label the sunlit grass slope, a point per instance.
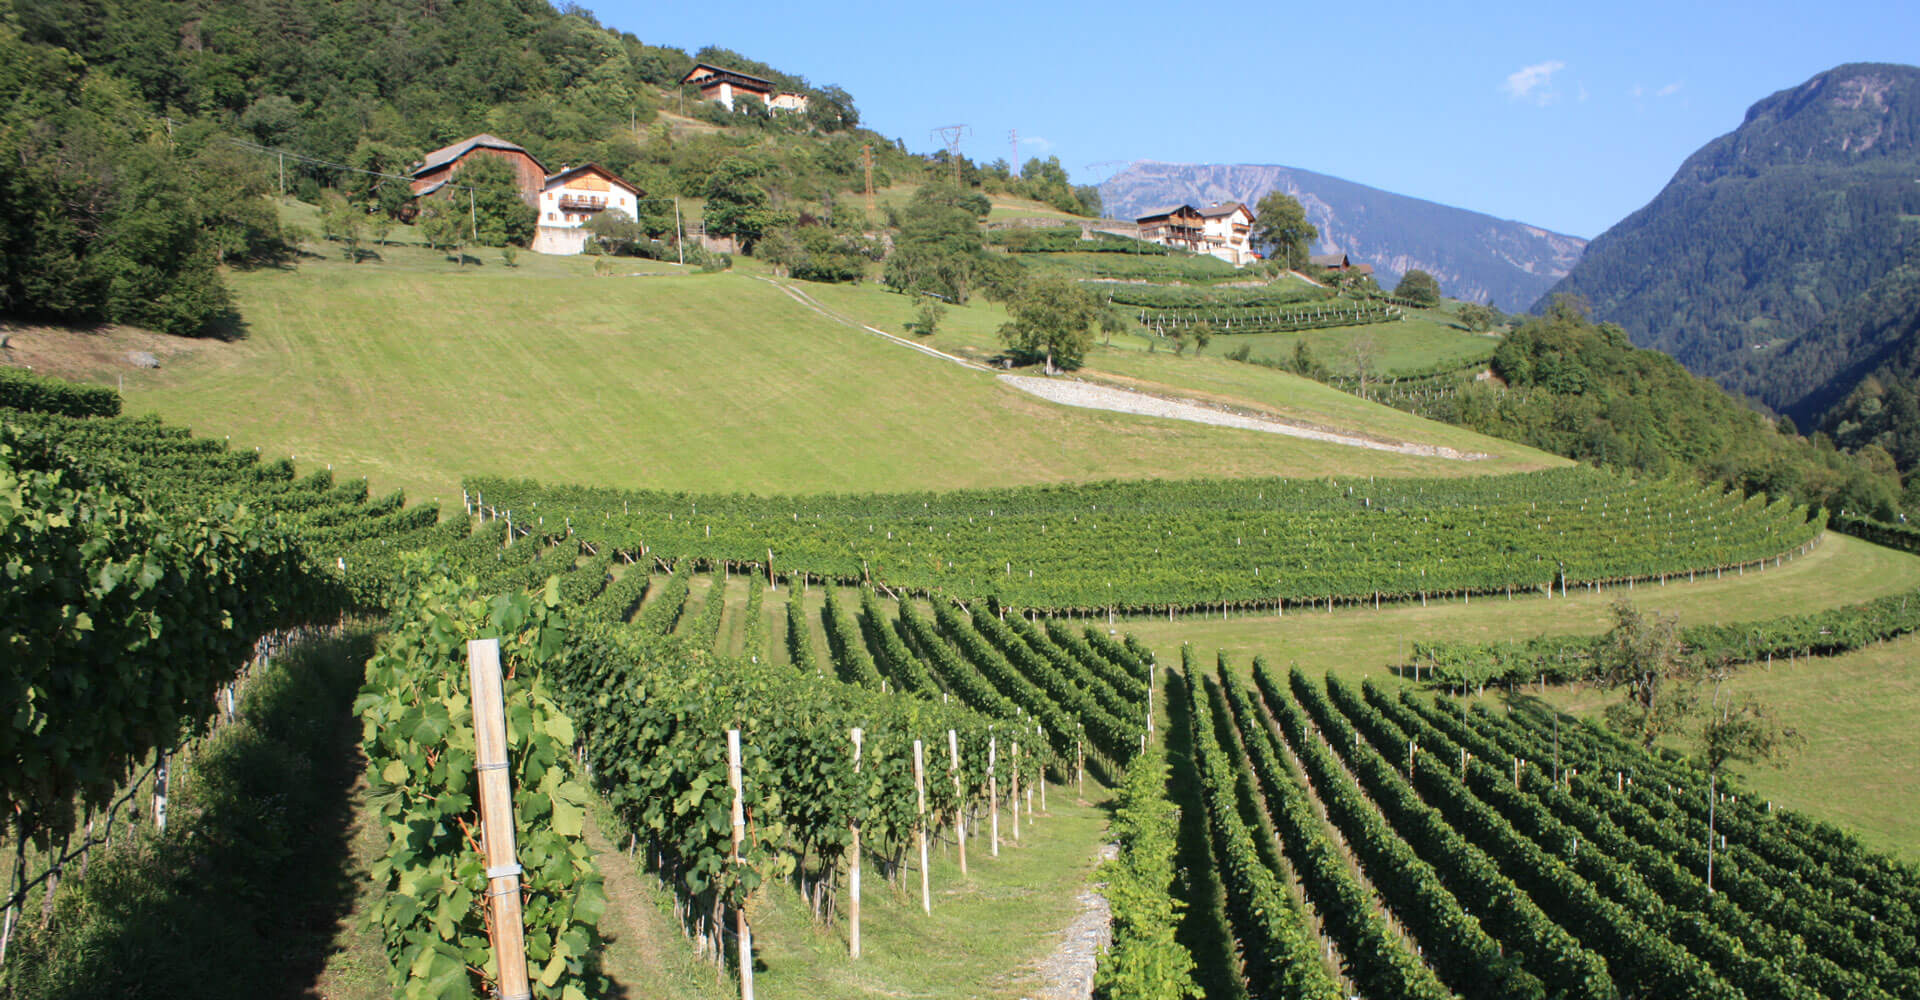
(414, 372)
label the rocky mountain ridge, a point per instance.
(1475, 256)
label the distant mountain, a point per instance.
(1749, 264)
(1475, 256)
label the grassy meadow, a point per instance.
(413, 371)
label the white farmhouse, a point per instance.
(1227, 232)
(571, 198)
(724, 86)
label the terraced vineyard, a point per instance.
(1480, 854)
(1157, 546)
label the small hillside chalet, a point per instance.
(571, 198)
(717, 83)
(1227, 228)
(1178, 226)
(1224, 230)
(1339, 262)
(437, 170)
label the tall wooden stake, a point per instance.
(1014, 793)
(853, 862)
(993, 791)
(1043, 785)
(742, 933)
(920, 824)
(496, 818)
(959, 814)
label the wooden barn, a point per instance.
(438, 168)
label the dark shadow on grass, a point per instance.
(243, 895)
(1203, 925)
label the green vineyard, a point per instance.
(904, 670)
(1518, 857)
(1154, 546)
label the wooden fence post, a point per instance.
(853, 861)
(920, 824)
(496, 818)
(959, 815)
(743, 935)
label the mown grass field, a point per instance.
(413, 372)
(971, 331)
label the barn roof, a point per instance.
(1224, 209)
(1328, 260)
(447, 154)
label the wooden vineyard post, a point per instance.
(920, 824)
(742, 932)
(853, 862)
(496, 819)
(1080, 765)
(1043, 785)
(1014, 792)
(959, 816)
(993, 792)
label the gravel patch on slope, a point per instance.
(1100, 397)
(1068, 972)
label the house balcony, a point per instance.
(583, 202)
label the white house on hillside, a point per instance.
(1227, 231)
(571, 198)
(724, 86)
(1224, 230)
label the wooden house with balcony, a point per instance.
(723, 85)
(1179, 226)
(572, 198)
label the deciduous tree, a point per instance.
(1053, 321)
(1641, 654)
(1419, 287)
(1280, 227)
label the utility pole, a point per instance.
(1013, 165)
(950, 136)
(866, 161)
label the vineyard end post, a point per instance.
(496, 818)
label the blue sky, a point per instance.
(1566, 116)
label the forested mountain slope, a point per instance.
(1768, 231)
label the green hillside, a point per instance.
(415, 372)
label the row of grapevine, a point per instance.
(1855, 908)
(1278, 951)
(1528, 856)
(1750, 957)
(1434, 879)
(1746, 901)
(1378, 962)
(1563, 658)
(1157, 546)
(1229, 321)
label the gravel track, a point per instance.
(1100, 397)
